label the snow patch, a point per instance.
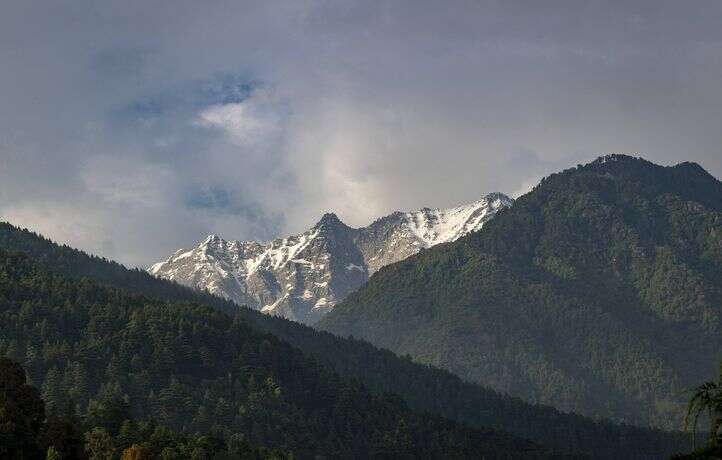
(436, 226)
(246, 271)
(321, 303)
(271, 307)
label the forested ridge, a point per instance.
(193, 369)
(600, 291)
(73, 263)
(422, 387)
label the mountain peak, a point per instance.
(618, 163)
(494, 196)
(329, 219)
(303, 276)
(212, 239)
(614, 157)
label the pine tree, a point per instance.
(53, 454)
(52, 390)
(99, 444)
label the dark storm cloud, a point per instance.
(132, 128)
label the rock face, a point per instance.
(302, 277)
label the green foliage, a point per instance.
(599, 292)
(426, 388)
(557, 267)
(423, 387)
(196, 370)
(707, 400)
(99, 444)
(72, 263)
(60, 438)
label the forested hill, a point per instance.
(72, 263)
(423, 388)
(600, 292)
(193, 369)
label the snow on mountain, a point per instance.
(302, 277)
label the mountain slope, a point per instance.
(424, 388)
(597, 292)
(303, 276)
(196, 370)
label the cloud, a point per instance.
(246, 123)
(130, 129)
(123, 181)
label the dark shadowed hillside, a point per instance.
(599, 292)
(194, 369)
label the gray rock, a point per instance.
(304, 276)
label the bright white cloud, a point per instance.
(251, 122)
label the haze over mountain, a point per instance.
(303, 276)
(598, 292)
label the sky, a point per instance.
(132, 128)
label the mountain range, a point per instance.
(599, 292)
(302, 277)
(89, 331)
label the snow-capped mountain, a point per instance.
(303, 276)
